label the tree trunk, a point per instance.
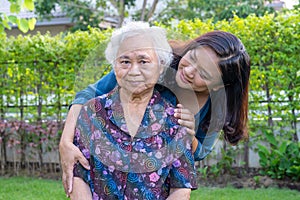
(246, 155)
(294, 120)
(151, 11)
(58, 94)
(294, 126)
(2, 134)
(270, 118)
(39, 119)
(224, 170)
(269, 100)
(122, 12)
(21, 130)
(143, 10)
(2, 98)
(3, 154)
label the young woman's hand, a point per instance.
(69, 155)
(185, 118)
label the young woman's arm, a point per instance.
(203, 144)
(69, 153)
(179, 194)
(81, 190)
(102, 86)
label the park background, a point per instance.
(41, 72)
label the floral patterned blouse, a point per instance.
(145, 166)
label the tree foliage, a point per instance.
(15, 7)
(91, 13)
(216, 9)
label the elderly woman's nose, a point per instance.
(134, 69)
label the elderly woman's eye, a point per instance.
(144, 62)
(125, 62)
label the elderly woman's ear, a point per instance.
(162, 67)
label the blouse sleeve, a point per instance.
(103, 86)
(205, 146)
(183, 171)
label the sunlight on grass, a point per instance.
(20, 188)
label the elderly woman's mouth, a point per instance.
(135, 82)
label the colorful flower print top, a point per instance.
(107, 83)
(145, 166)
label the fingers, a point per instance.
(64, 182)
(190, 126)
(183, 113)
(64, 166)
(69, 181)
(70, 154)
(179, 105)
(185, 118)
(84, 162)
(80, 158)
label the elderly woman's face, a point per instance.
(136, 67)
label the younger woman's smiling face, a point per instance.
(198, 70)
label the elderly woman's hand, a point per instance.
(185, 118)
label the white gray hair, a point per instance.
(156, 34)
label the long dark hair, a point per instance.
(234, 65)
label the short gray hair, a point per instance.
(156, 34)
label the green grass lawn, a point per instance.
(18, 188)
(244, 194)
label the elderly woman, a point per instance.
(222, 102)
(135, 147)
